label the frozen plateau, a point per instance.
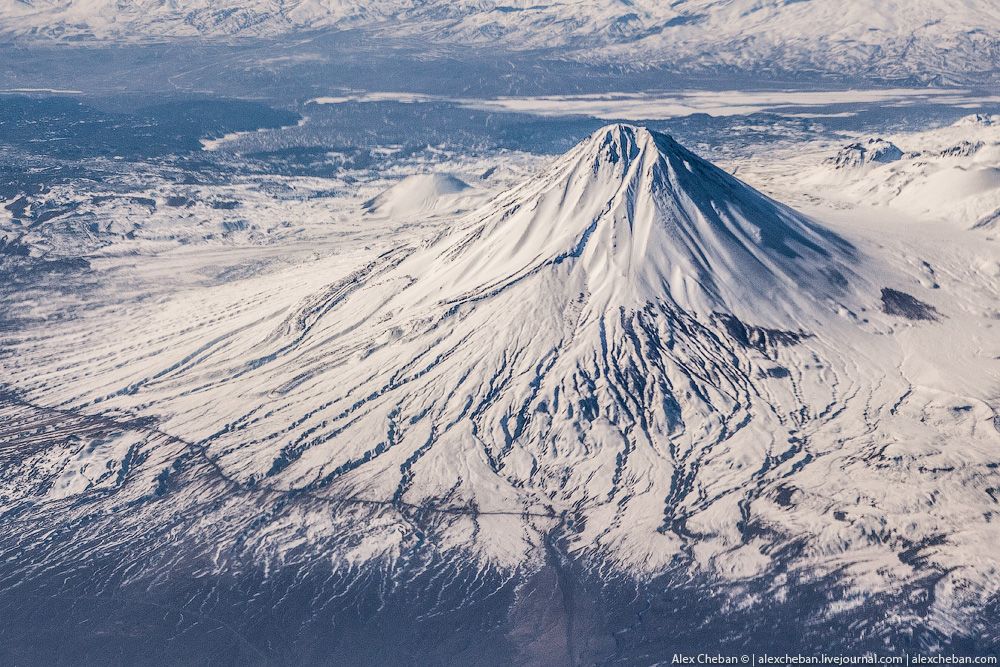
(473, 344)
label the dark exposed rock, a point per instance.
(875, 151)
(902, 304)
(761, 339)
(963, 149)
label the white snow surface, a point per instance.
(929, 39)
(678, 102)
(420, 193)
(631, 336)
(949, 173)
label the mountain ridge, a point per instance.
(943, 40)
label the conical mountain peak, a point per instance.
(633, 218)
(621, 145)
(622, 142)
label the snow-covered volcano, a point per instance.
(417, 194)
(633, 359)
(583, 340)
(637, 219)
(567, 316)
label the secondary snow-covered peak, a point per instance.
(630, 217)
(416, 194)
(950, 174)
(863, 154)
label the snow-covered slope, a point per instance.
(949, 173)
(633, 351)
(932, 39)
(418, 194)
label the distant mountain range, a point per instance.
(942, 41)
